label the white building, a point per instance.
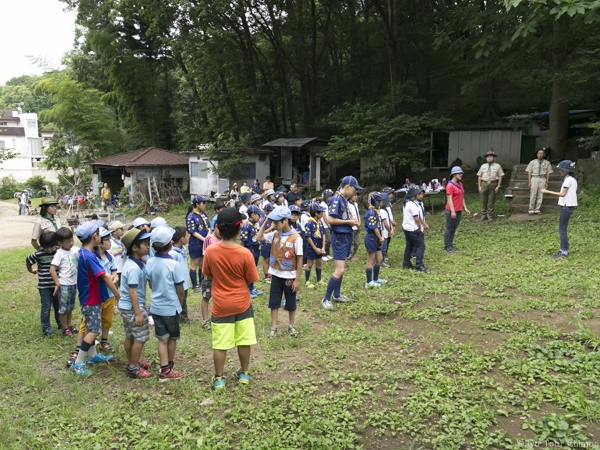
(19, 133)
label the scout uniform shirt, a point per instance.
(490, 172)
(539, 168)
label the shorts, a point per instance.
(280, 287)
(265, 250)
(166, 327)
(310, 253)
(92, 318)
(341, 243)
(195, 249)
(66, 298)
(139, 335)
(233, 331)
(206, 287)
(372, 243)
(106, 317)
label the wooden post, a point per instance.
(317, 173)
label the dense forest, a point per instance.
(374, 76)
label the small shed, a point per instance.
(470, 142)
(130, 168)
(204, 179)
(298, 160)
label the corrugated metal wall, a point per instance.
(469, 144)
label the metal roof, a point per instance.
(11, 131)
(144, 157)
(293, 142)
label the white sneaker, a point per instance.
(341, 299)
(380, 281)
(371, 284)
(150, 321)
(327, 305)
(326, 258)
(531, 212)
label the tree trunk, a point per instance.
(559, 108)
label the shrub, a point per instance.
(8, 186)
(36, 183)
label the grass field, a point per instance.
(495, 348)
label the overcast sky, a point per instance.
(35, 28)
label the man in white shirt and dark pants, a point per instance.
(567, 202)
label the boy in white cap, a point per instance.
(166, 281)
(92, 284)
(141, 224)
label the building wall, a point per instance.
(469, 144)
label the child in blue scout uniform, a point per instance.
(132, 305)
(165, 278)
(315, 247)
(265, 249)
(414, 225)
(341, 238)
(179, 254)
(295, 220)
(249, 240)
(374, 240)
(92, 284)
(285, 266)
(198, 227)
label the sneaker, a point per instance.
(47, 332)
(309, 285)
(538, 212)
(531, 212)
(380, 281)
(292, 331)
(385, 265)
(185, 320)
(67, 333)
(218, 383)
(171, 375)
(206, 325)
(322, 283)
(138, 372)
(99, 358)
(145, 365)
(326, 258)
(408, 267)
(252, 296)
(268, 280)
(256, 292)
(198, 288)
(559, 255)
(150, 320)
(450, 249)
(341, 299)
(106, 347)
(423, 269)
(72, 359)
(327, 305)
(242, 377)
(72, 329)
(273, 333)
(80, 369)
(371, 285)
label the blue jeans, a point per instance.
(48, 301)
(414, 241)
(384, 246)
(451, 226)
(23, 210)
(563, 223)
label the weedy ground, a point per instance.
(496, 348)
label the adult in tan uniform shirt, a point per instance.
(538, 175)
(489, 179)
(47, 221)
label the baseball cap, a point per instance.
(229, 216)
(133, 236)
(279, 213)
(377, 196)
(87, 228)
(253, 209)
(158, 222)
(161, 234)
(279, 194)
(115, 225)
(140, 221)
(199, 199)
(316, 207)
(104, 232)
(295, 209)
(352, 182)
(387, 190)
(455, 170)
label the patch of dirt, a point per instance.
(16, 229)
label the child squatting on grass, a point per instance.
(231, 268)
(165, 278)
(132, 305)
(92, 284)
(63, 270)
(43, 258)
(285, 266)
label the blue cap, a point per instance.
(282, 189)
(296, 209)
(455, 170)
(253, 209)
(387, 190)
(566, 166)
(104, 232)
(162, 235)
(268, 206)
(158, 222)
(269, 192)
(255, 197)
(245, 197)
(352, 182)
(279, 194)
(413, 192)
(87, 228)
(279, 213)
(327, 193)
(199, 199)
(140, 221)
(316, 207)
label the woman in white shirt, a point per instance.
(567, 201)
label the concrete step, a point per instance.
(522, 185)
(552, 209)
(519, 200)
(554, 176)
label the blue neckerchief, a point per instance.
(288, 233)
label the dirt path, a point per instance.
(16, 229)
